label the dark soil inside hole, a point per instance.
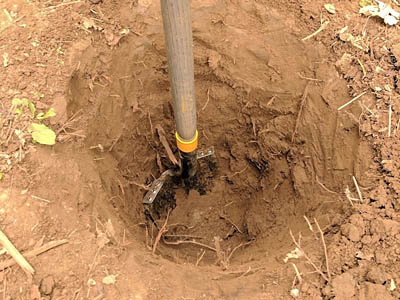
(275, 164)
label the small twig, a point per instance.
(308, 78)
(220, 254)
(236, 173)
(308, 223)
(351, 101)
(8, 15)
(297, 273)
(33, 253)
(22, 262)
(115, 142)
(362, 67)
(348, 195)
(322, 27)
(324, 187)
(230, 221)
(68, 121)
(145, 187)
(307, 258)
(303, 102)
(208, 99)
(237, 247)
(390, 120)
(93, 263)
(190, 242)
(161, 232)
(151, 124)
(325, 251)
(187, 236)
(41, 199)
(200, 258)
(62, 4)
(358, 189)
(164, 142)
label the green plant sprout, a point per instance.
(40, 133)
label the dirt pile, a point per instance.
(283, 150)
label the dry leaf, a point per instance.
(102, 239)
(330, 8)
(110, 279)
(6, 61)
(111, 38)
(383, 10)
(296, 253)
(164, 142)
(110, 229)
(392, 285)
(89, 24)
(91, 282)
(363, 3)
(294, 293)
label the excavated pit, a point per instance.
(250, 92)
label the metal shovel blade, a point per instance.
(159, 182)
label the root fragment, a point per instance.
(318, 270)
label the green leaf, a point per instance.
(21, 103)
(49, 114)
(364, 3)
(43, 134)
(32, 107)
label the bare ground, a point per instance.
(288, 161)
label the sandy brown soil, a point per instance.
(287, 159)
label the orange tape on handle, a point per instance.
(187, 146)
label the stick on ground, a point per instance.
(351, 101)
(325, 251)
(19, 259)
(322, 27)
(193, 242)
(8, 263)
(161, 232)
(308, 259)
(164, 142)
(358, 189)
(200, 258)
(303, 102)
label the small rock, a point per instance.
(381, 256)
(344, 63)
(344, 287)
(366, 239)
(376, 275)
(372, 291)
(358, 221)
(60, 108)
(385, 227)
(47, 285)
(352, 232)
(391, 227)
(213, 59)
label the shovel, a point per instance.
(179, 41)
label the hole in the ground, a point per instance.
(275, 165)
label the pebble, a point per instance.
(47, 285)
